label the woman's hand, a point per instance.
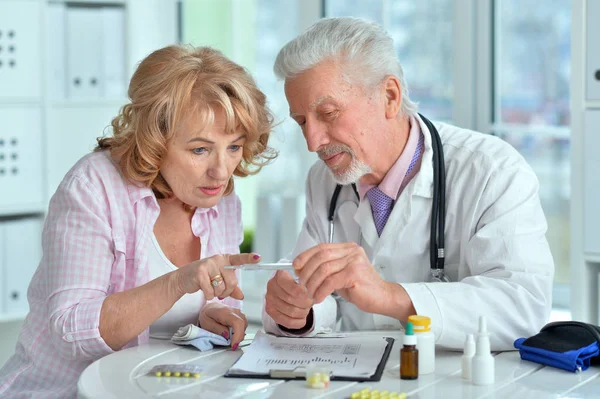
(210, 276)
(217, 318)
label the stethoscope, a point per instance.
(438, 207)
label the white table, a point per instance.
(124, 375)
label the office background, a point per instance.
(502, 67)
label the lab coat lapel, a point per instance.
(398, 220)
(421, 185)
(364, 218)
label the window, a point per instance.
(531, 108)
(251, 33)
(422, 33)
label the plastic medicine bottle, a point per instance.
(409, 355)
(425, 343)
(482, 367)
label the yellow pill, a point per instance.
(355, 395)
(196, 375)
(325, 377)
(186, 374)
(385, 392)
(312, 380)
(167, 373)
(366, 390)
(158, 373)
(402, 396)
(374, 391)
(177, 374)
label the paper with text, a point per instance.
(346, 357)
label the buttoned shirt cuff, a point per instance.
(80, 330)
(425, 303)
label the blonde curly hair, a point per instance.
(179, 79)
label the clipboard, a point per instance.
(299, 373)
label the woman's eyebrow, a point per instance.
(193, 139)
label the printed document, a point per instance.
(356, 356)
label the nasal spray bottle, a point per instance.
(467, 358)
(482, 367)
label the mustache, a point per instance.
(333, 149)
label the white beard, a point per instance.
(353, 172)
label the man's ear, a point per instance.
(393, 96)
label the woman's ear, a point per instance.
(393, 97)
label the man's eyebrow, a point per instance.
(314, 105)
(318, 102)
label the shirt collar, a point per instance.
(392, 181)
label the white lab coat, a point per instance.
(497, 256)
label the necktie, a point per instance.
(381, 205)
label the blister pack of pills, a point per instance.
(375, 394)
(177, 370)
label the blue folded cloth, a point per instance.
(573, 360)
(568, 345)
(200, 338)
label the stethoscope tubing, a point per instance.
(438, 206)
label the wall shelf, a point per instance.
(10, 317)
(19, 102)
(90, 2)
(594, 258)
(23, 209)
(592, 104)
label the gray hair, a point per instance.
(363, 46)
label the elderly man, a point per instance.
(380, 264)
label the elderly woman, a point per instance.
(139, 231)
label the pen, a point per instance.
(263, 266)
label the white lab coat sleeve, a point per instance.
(509, 268)
(324, 313)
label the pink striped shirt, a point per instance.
(95, 240)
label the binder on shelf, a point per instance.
(84, 44)
(2, 268)
(113, 52)
(56, 50)
(22, 253)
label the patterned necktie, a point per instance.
(381, 205)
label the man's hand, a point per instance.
(345, 269)
(286, 301)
